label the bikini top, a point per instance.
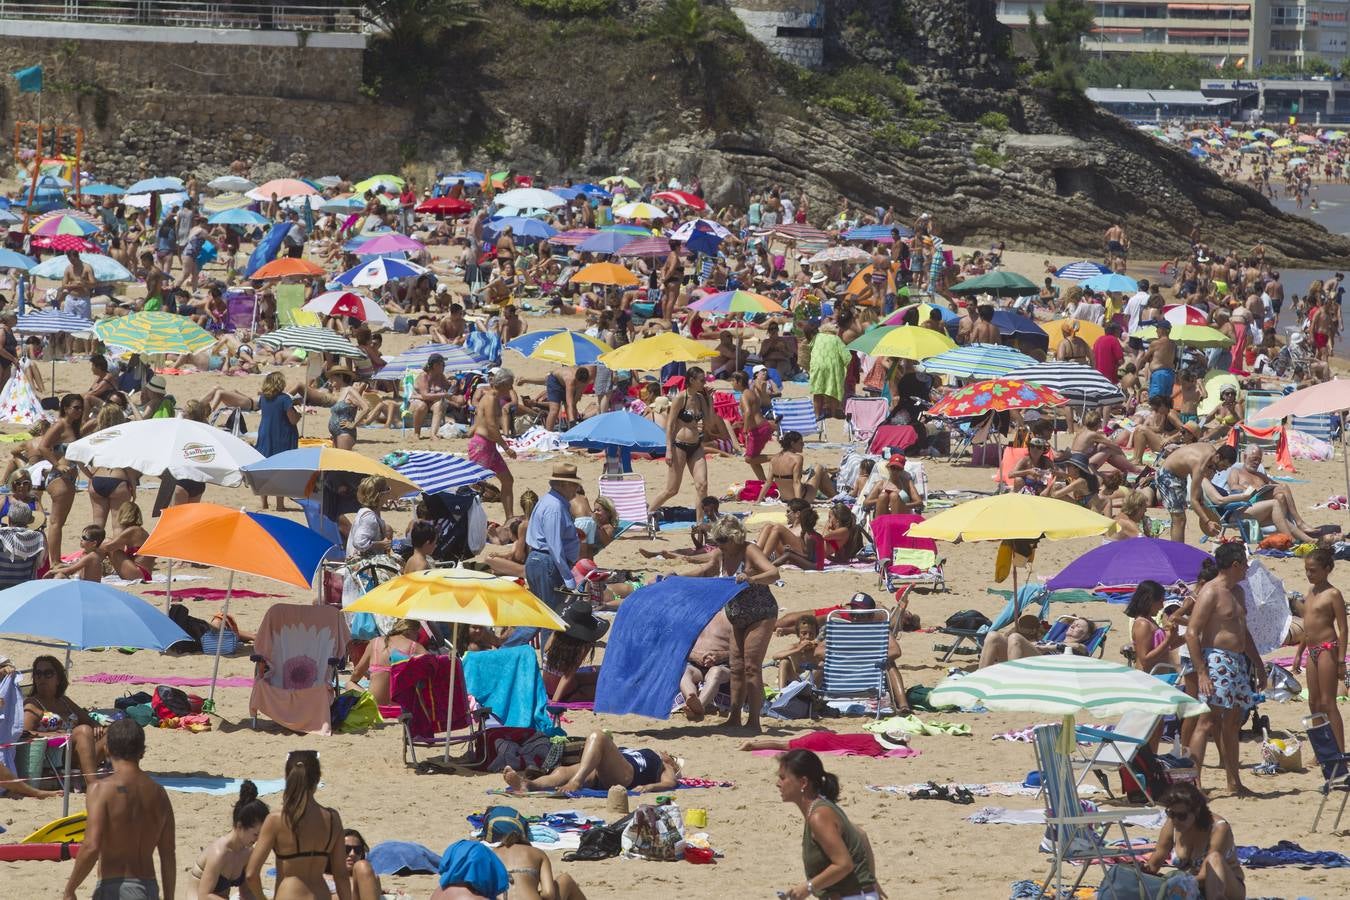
(689, 415)
(320, 853)
(224, 884)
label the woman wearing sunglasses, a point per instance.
(365, 883)
(47, 709)
(1194, 841)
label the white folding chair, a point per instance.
(628, 493)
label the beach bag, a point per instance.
(142, 714)
(655, 833)
(1146, 763)
(600, 842)
(968, 620)
(140, 698)
(194, 627)
(1124, 882)
(750, 492)
(1285, 751)
(794, 701)
(171, 703)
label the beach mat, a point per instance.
(209, 593)
(170, 680)
(686, 784)
(217, 785)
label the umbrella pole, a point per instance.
(1345, 457)
(450, 703)
(220, 632)
(168, 591)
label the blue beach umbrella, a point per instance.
(105, 268)
(102, 190)
(977, 361)
(85, 614)
(1016, 324)
(9, 259)
(524, 229)
(568, 348)
(606, 242)
(618, 433)
(1081, 270)
(1112, 283)
(377, 272)
(243, 217)
(593, 190)
(877, 233)
(156, 185)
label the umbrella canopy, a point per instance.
(1126, 563)
(654, 352)
(1112, 283)
(881, 234)
(635, 230)
(243, 217)
(529, 198)
(282, 187)
(229, 200)
(296, 473)
(568, 348)
(378, 272)
(105, 268)
(64, 243)
(1081, 270)
(603, 242)
(9, 259)
(445, 206)
(342, 205)
(925, 310)
(620, 179)
(999, 283)
(238, 540)
(52, 321)
(286, 267)
(347, 303)
(639, 211)
(102, 190)
(193, 451)
(997, 395)
(457, 359)
(1191, 335)
(1185, 314)
(574, 237)
(390, 242)
(693, 226)
(1088, 331)
(523, 228)
(650, 246)
(231, 183)
(682, 198)
(1015, 324)
(840, 254)
(148, 333)
(903, 342)
(86, 614)
(464, 596)
(312, 338)
(1011, 517)
(1079, 384)
(158, 185)
(1066, 685)
(379, 184)
(978, 361)
(1327, 397)
(617, 429)
(605, 273)
(65, 224)
(736, 302)
(437, 472)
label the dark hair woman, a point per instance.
(365, 883)
(835, 853)
(221, 864)
(306, 838)
(1153, 644)
(1199, 843)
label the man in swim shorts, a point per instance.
(486, 435)
(1226, 660)
(1178, 481)
(1161, 359)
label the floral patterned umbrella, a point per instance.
(995, 395)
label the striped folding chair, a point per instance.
(855, 655)
(628, 493)
(799, 415)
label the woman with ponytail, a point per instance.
(221, 865)
(835, 852)
(307, 839)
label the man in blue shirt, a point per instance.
(553, 546)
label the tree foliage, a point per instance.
(412, 25)
(1058, 43)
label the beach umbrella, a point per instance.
(656, 351)
(1088, 331)
(1014, 324)
(639, 211)
(300, 472)
(282, 187)
(1191, 335)
(682, 198)
(620, 179)
(347, 303)
(10, 259)
(457, 359)
(1185, 314)
(342, 206)
(602, 242)
(568, 348)
(71, 222)
(998, 283)
(746, 302)
(635, 230)
(149, 333)
(286, 267)
(567, 193)
(1066, 685)
(102, 190)
(593, 190)
(1013, 517)
(995, 395)
(881, 234)
(239, 541)
(605, 273)
(439, 472)
(167, 201)
(1327, 397)
(902, 342)
(53, 321)
(1308, 139)
(840, 254)
(574, 237)
(313, 339)
(84, 615)
(187, 450)
(617, 429)
(1112, 283)
(1081, 270)
(377, 272)
(650, 246)
(245, 218)
(64, 243)
(949, 318)
(9, 218)
(529, 198)
(466, 177)
(688, 229)
(389, 242)
(225, 201)
(525, 229)
(1079, 384)
(380, 184)
(977, 361)
(1126, 563)
(228, 183)
(159, 185)
(1282, 142)
(446, 206)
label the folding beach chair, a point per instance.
(905, 560)
(855, 655)
(1028, 594)
(628, 493)
(797, 415)
(1115, 749)
(22, 551)
(298, 652)
(863, 415)
(241, 309)
(421, 689)
(727, 408)
(1074, 836)
(1096, 644)
(290, 299)
(1335, 764)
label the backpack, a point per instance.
(1146, 763)
(171, 703)
(968, 620)
(461, 524)
(600, 842)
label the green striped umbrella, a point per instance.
(999, 283)
(312, 338)
(148, 333)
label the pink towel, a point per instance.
(171, 680)
(574, 704)
(206, 593)
(898, 753)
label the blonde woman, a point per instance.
(277, 430)
(369, 534)
(123, 546)
(109, 488)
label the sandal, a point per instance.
(961, 795)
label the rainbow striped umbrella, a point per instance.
(64, 224)
(736, 302)
(148, 333)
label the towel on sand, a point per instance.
(651, 638)
(217, 785)
(599, 793)
(1287, 853)
(403, 858)
(209, 593)
(829, 742)
(998, 815)
(171, 680)
(507, 681)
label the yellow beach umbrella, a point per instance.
(1013, 517)
(1215, 382)
(655, 352)
(619, 179)
(639, 211)
(1282, 142)
(605, 273)
(1088, 331)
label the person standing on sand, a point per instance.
(1225, 659)
(756, 432)
(486, 435)
(1324, 626)
(129, 818)
(1180, 481)
(1161, 360)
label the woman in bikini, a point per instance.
(365, 883)
(603, 765)
(109, 487)
(47, 709)
(1073, 480)
(804, 548)
(104, 386)
(306, 837)
(1163, 428)
(787, 471)
(531, 871)
(60, 483)
(1199, 843)
(897, 495)
(684, 438)
(1223, 417)
(123, 547)
(844, 538)
(383, 653)
(229, 853)
(1091, 440)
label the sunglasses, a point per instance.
(1179, 814)
(44, 673)
(722, 540)
(355, 848)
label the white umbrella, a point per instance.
(529, 198)
(187, 450)
(313, 339)
(348, 303)
(840, 254)
(231, 183)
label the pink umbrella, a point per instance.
(393, 242)
(347, 303)
(282, 187)
(1184, 314)
(1327, 397)
(573, 237)
(653, 246)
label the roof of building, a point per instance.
(1169, 98)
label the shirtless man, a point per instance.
(1225, 657)
(431, 391)
(1324, 628)
(486, 436)
(452, 329)
(1179, 481)
(1249, 476)
(755, 430)
(130, 817)
(510, 326)
(1161, 360)
(707, 667)
(1117, 244)
(1319, 325)
(672, 276)
(983, 330)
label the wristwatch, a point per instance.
(809, 889)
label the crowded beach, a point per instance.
(474, 534)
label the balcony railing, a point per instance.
(321, 17)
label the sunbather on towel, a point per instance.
(603, 765)
(1003, 647)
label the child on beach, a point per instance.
(88, 566)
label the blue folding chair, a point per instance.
(856, 644)
(799, 415)
(1333, 760)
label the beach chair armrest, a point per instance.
(1107, 736)
(1089, 818)
(481, 714)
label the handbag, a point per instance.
(656, 833)
(1285, 751)
(1125, 882)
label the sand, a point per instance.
(924, 848)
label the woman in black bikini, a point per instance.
(109, 488)
(684, 438)
(230, 852)
(60, 485)
(311, 834)
(603, 765)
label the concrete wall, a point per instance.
(791, 29)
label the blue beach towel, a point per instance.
(1287, 853)
(507, 681)
(11, 718)
(403, 858)
(651, 638)
(217, 785)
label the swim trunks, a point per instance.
(757, 438)
(486, 454)
(1161, 382)
(555, 391)
(1319, 340)
(126, 889)
(1231, 675)
(1171, 491)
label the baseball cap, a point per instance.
(759, 368)
(861, 600)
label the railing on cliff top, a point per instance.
(315, 17)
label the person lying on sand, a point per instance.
(604, 764)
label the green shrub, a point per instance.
(987, 156)
(567, 8)
(892, 135)
(996, 121)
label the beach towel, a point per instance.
(171, 680)
(685, 784)
(267, 248)
(11, 719)
(1287, 853)
(206, 593)
(915, 725)
(217, 785)
(998, 815)
(507, 681)
(651, 638)
(403, 858)
(472, 864)
(297, 641)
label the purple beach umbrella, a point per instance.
(1129, 562)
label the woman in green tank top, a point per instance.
(835, 853)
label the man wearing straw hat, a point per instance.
(554, 547)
